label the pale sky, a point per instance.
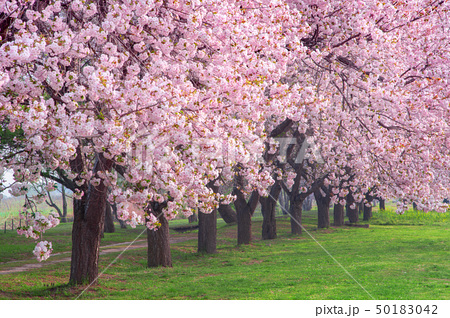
(8, 177)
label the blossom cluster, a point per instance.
(43, 250)
(38, 224)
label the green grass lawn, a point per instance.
(10, 208)
(389, 260)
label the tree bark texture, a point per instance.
(352, 213)
(227, 213)
(296, 205)
(158, 244)
(339, 216)
(207, 232)
(367, 215)
(244, 210)
(323, 209)
(89, 215)
(244, 221)
(268, 210)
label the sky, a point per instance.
(8, 177)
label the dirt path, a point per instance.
(104, 250)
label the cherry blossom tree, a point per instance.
(141, 90)
(373, 98)
(151, 91)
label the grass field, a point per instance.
(10, 208)
(398, 257)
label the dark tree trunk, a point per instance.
(367, 213)
(382, 204)
(323, 209)
(268, 210)
(83, 253)
(207, 232)
(368, 209)
(207, 228)
(158, 250)
(89, 215)
(244, 211)
(339, 217)
(352, 213)
(296, 204)
(269, 226)
(64, 204)
(227, 213)
(109, 221)
(307, 204)
(284, 202)
(52, 204)
(193, 218)
(361, 207)
(244, 225)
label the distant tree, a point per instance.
(62, 212)
(109, 220)
(193, 218)
(382, 204)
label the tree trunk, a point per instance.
(193, 218)
(227, 213)
(323, 209)
(361, 207)
(307, 204)
(368, 209)
(158, 250)
(352, 213)
(244, 225)
(339, 216)
(207, 232)
(244, 210)
(64, 204)
(52, 204)
(296, 204)
(89, 215)
(382, 204)
(367, 212)
(268, 210)
(269, 226)
(284, 202)
(109, 221)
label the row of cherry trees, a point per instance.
(152, 105)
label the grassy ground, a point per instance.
(390, 261)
